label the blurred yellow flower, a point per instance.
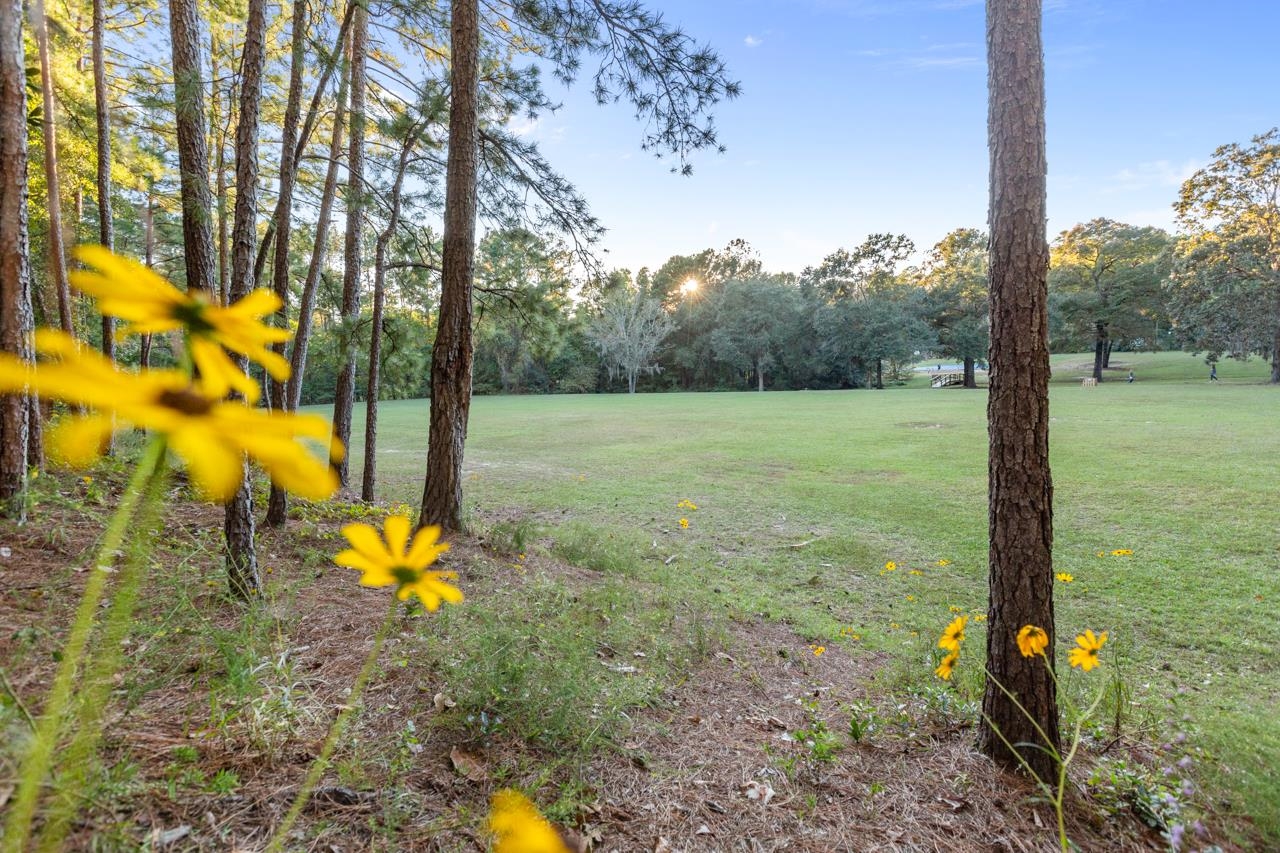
(947, 666)
(211, 435)
(943, 563)
(399, 561)
(818, 650)
(1122, 552)
(684, 524)
(953, 636)
(126, 289)
(890, 566)
(1064, 577)
(1032, 641)
(518, 827)
(955, 609)
(1085, 654)
(687, 504)
(915, 572)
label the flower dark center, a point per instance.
(404, 574)
(186, 401)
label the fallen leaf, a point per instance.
(760, 791)
(442, 702)
(469, 765)
(703, 830)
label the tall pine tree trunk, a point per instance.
(1099, 348)
(106, 232)
(369, 477)
(1021, 490)
(242, 558)
(451, 355)
(57, 252)
(16, 321)
(218, 139)
(970, 376)
(306, 302)
(344, 394)
(193, 155)
(148, 258)
(277, 503)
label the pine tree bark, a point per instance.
(148, 258)
(106, 231)
(243, 576)
(57, 252)
(18, 412)
(1021, 489)
(970, 376)
(345, 392)
(193, 154)
(1099, 349)
(452, 354)
(218, 138)
(306, 302)
(369, 476)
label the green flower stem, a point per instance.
(335, 732)
(101, 667)
(39, 757)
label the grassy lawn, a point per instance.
(804, 496)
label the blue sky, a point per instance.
(870, 115)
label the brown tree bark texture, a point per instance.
(106, 231)
(193, 155)
(16, 320)
(242, 559)
(345, 392)
(451, 355)
(1021, 489)
(57, 252)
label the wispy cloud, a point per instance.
(1153, 173)
(752, 41)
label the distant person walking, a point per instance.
(1213, 373)
(1130, 379)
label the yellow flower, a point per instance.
(1102, 553)
(126, 289)
(1122, 552)
(915, 572)
(890, 566)
(818, 650)
(1064, 577)
(399, 561)
(519, 828)
(911, 598)
(953, 636)
(1085, 654)
(210, 434)
(943, 563)
(1032, 641)
(947, 665)
(687, 504)
(684, 524)
(955, 609)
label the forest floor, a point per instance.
(637, 720)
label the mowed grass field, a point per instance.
(804, 496)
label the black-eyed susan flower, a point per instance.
(1085, 654)
(953, 636)
(948, 665)
(818, 651)
(1032, 641)
(684, 524)
(399, 561)
(943, 563)
(211, 435)
(891, 566)
(518, 827)
(1065, 577)
(148, 304)
(1122, 552)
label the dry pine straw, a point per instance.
(677, 783)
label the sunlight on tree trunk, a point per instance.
(57, 252)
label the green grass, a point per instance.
(803, 496)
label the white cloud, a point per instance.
(752, 41)
(1154, 173)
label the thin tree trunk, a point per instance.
(1106, 352)
(1099, 346)
(193, 155)
(277, 502)
(304, 136)
(880, 374)
(970, 376)
(345, 392)
(306, 302)
(1021, 489)
(148, 258)
(242, 558)
(19, 413)
(106, 231)
(57, 253)
(369, 477)
(759, 377)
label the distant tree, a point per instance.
(627, 333)
(860, 335)
(1019, 720)
(1216, 307)
(755, 320)
(1231, 212)
(16, 321)
(48, 125)
(846, 274)
(955, 281)
(1108, 278)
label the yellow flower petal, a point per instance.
(373, 573)
(424, 551)
(366, 540)
(79, 441)
(397, 528)
(215, 468)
